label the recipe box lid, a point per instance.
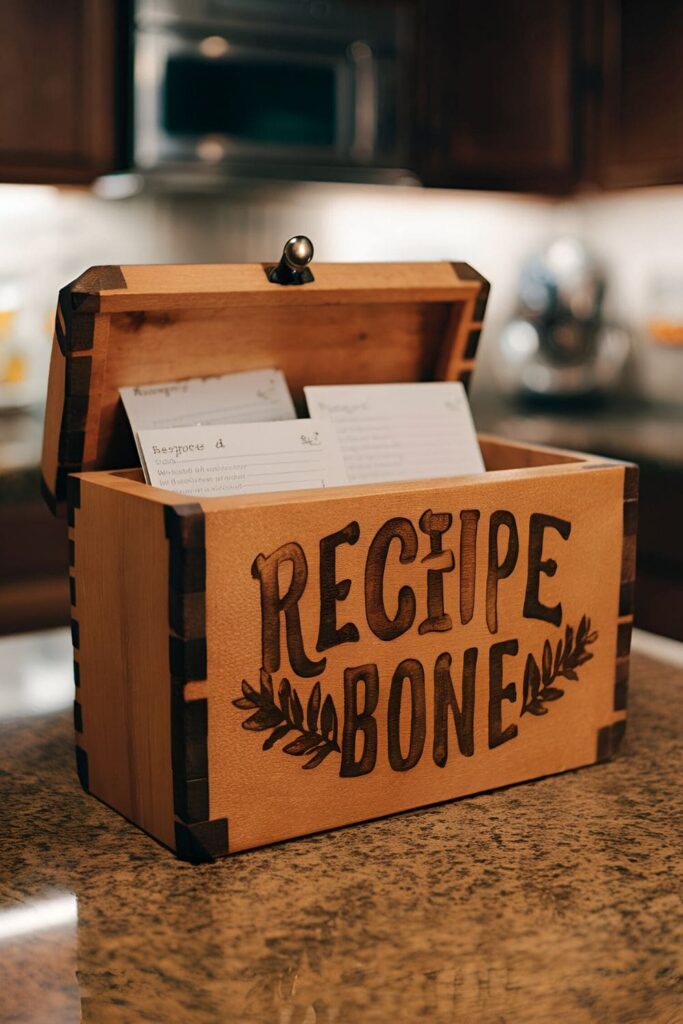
(361, 323)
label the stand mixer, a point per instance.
(559, 344)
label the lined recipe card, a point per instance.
(400, 431)
(250, 397)
(243, 458)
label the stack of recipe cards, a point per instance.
(235, 434)
(238, 434)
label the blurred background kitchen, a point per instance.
(540, 141)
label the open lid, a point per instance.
(346, 323)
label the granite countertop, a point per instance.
(558, 900)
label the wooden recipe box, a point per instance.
(254, 668)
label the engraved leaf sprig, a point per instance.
(568, 656)
(317, 730)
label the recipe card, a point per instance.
(243, 458)
(252, 396)
(400, 431)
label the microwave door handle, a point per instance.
(365, 112)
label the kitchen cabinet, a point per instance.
(640, 119)
(34, 556)
(534, 96)
(548, 97)
(63, 74)
(34, 545)
(495, 94)
(659, 584)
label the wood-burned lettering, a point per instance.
(429, 704)
(533, 609)
(267, 570)
(447, 715)
(438, 562)
(499, 569)
(384, 627)
(389, 615)
(360, 720)
(333, 590)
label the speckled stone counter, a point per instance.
(556, 901)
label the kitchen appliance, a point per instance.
(304, 89)
(559, 343)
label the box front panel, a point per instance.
(370, 654)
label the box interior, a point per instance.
(349, 343)
(499, 457)
(354, 323)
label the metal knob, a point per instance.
(293, 266)
(298, 252)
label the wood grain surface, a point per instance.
(442, 645)
(120, 585)
(356, 323)
(257, 668)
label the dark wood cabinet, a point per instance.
(640, 120)
(496, 95)
(63, 74)
(659, 582)
(549, 95)
(540, 95)
(34, 555)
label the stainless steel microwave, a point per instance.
(308, 89)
